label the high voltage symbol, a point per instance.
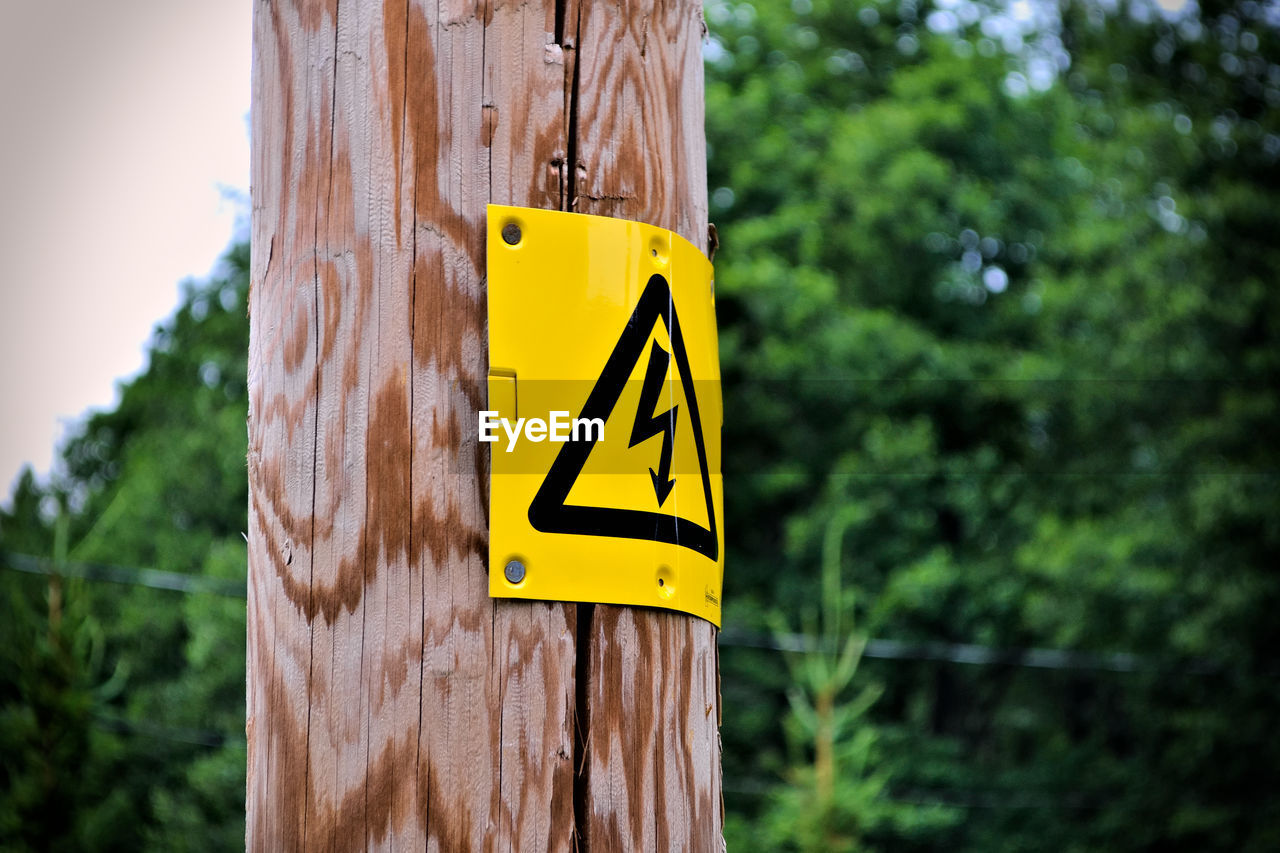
(550, 511)
(663, 424)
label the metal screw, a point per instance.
(511, 233)
(514, 572)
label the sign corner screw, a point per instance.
(514, 571)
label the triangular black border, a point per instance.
(550, 514)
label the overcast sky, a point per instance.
(123, 126)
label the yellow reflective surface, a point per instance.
(611, 323)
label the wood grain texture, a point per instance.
(391, 703)
(652, 697)
(641, 146)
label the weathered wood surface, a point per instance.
(653, 708)
(391, 703)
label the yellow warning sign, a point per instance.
(604, 414)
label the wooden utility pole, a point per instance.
(391, 702)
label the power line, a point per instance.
(153, 578)
(961, 653)
(958, 653)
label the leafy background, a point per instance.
(998, 311)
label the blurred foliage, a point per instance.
(999, 281)
(998, 319)
(835, 796)
(131, 712)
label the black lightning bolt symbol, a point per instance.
(647, 426)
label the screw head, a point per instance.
(514, 572)
(511, 233)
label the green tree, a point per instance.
(52, 683)
(158, 482)
(834, 794)
(1020, 329)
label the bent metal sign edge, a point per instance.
(604, 414)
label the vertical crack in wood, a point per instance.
(569, 186)
(581, 728)
(413, 444)
(315, 438)
(563, 163)
(569, 15)
(486, 108)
